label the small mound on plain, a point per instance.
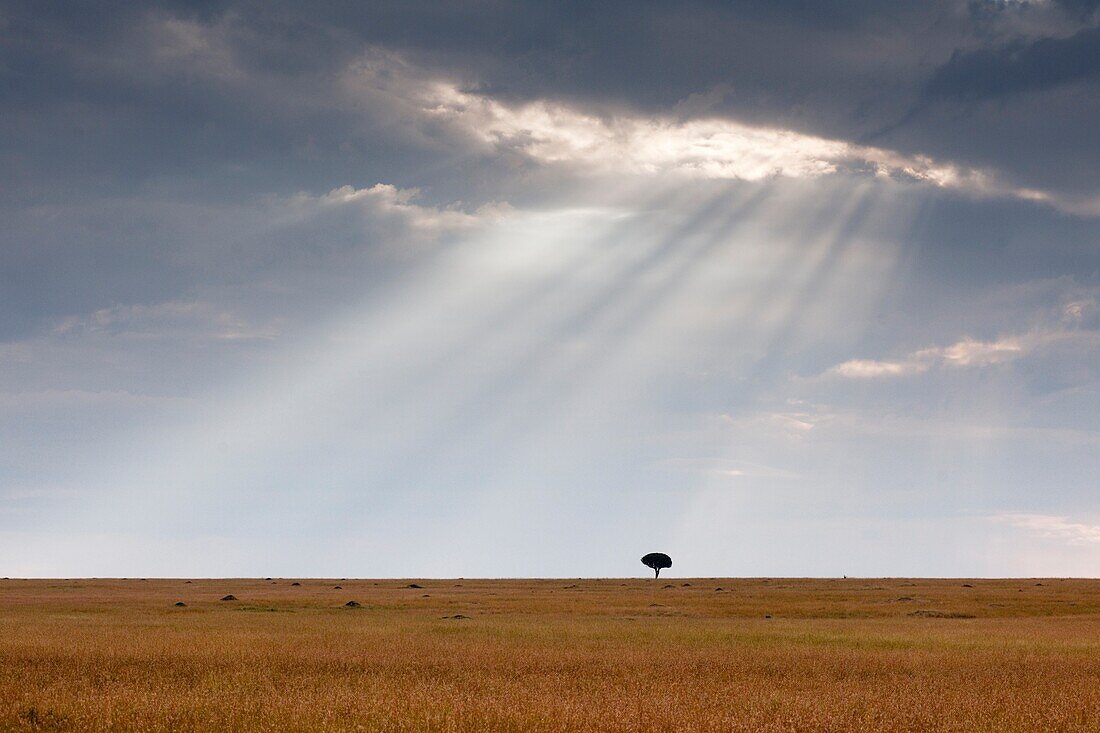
(933, 613)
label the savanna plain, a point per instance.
(550, 655)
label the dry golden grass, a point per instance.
(610, 655)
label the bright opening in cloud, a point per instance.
(622, 143)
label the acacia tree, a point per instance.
(657, 560)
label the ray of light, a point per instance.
(480, 362)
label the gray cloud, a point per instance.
(1019, 66)
(224, 98)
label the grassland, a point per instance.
(584, 655)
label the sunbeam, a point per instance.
(527, 356)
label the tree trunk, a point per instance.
(656, 573)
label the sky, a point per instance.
(486, 289)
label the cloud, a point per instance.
(783, 424)
(870, 369)
(555, 133)
(967, 352)
(732, 468)
(230, 98)
(72, 399)
(385, 200)
(1053, 527)
(1019, 66)
(558, 134)
(89, 263)
(971, 352)
(188, 47)
(171, 319)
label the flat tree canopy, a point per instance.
(657, 560)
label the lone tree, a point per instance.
(657, 560)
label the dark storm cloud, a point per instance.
(1082, 10)
(145, 147)
(1023, 106)
(1019, 66)
(224, 98)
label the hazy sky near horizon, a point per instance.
(532, 289)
